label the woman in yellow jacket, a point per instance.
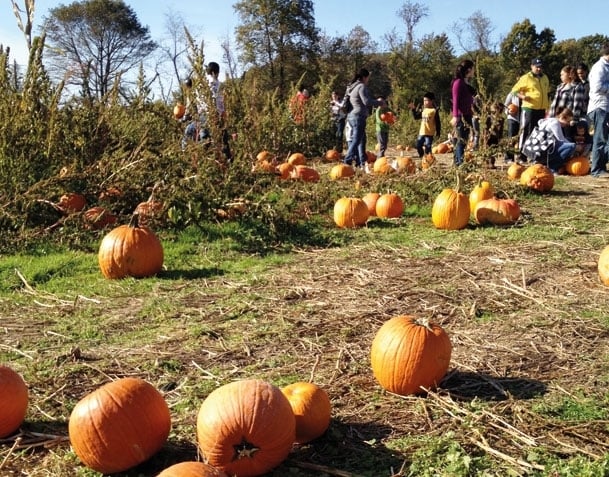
(533, 90)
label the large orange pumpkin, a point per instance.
(191, 469)
(538, 178)
(14, 400)
(350, 212)
(578, 166)
(389, 206)
(497, 211)
(119, 425)
(409, 353)
(312, 409)
(603, 266)
(341, 171)
(130, 251)
(450, 210)
(482, 190)
(246, 428)
(72, 202)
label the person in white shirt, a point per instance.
(598, 113)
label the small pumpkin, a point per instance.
(379, 164)
(409, 353)
(442, 148)
(98, 217)
(297, 159)
(405, 164)
(332, 155)
(312, 410)
(389, 206)
(246, 428)
(482, 190)
(350, 212)
(14, 399)
(341, 171)
(370, 199)
(119, 425)
(191, 469)
(265, 156)
(370, 157)
(72, 202)
(512, 109)
(148, 210)
(179, 110)
(603, 266)
(538, 178)
(515, 171)
(284, 170)
(497, 211)
(427, 161)
(305, 173)
(450, 210)
(130, 251)
(578, 166)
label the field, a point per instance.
(526, 392)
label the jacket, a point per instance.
(360, 98)
(599, 86)
(569, 95)
(536, 89)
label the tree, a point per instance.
(95, 42)
(412, 13)
(279, 38)
(522, 44)
(478, 28)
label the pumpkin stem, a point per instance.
(245, 450)
(459, 181)
(134, 222)
(424, 322)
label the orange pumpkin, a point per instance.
(603, 266)
(312, 409)
(405, 164)
(515, 171)
(379, 164)
(389, 206)
(284, 170)
(246, 428)
(497, 211)
(512, 109)
(98, 217)
(370, 199)
(14, 400)
(265, 156)
(578, 166)
(370, 157)
(442, 148)
(130, 251)
(297, 159)
(332, 155)
(72, 202)
(350, 212)
(450, 210)
(149, 210)
(119, 425)
(191, 469)
(538, 178)
(482, 190)
(427, 161)
(408, 354)
(341, 171)
(178, 111)
(304, 173)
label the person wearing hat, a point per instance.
(430, 123)
(532, 89)
(598, 113)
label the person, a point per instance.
(582, 75)
(384, 118)
(339, 118)
(512, 108)
(463, 99)
(582, 139)
(598, 113)
(430, 123)
(569, 94)
(298, 105)
(361, 101)
(532, 89)
(198, 127)
(563, 148)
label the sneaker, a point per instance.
(601, 175)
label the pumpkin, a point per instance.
(191, 469)
(538, 178)
(405, 164)
(370, 199)
(409, 353)
(578, 166)
(603, 266)
(297, 159)
(512, 109)
(379, 164)
(385, 168)
(14, 399)
(178, 111)
(265, 156)
(304, 173)
(450, 210)
(341, 171)
(370, 157)
(265, 166)
(246, 428)
(497, 211)
(332, 155)
(482, 190)
(389, 206)
(427, 161)
(388, 117)
(515, 171)
(119, 425)
(442, 148)
(312, 410)
(72, 202)
(350, 212)
(98, 217)
(284, 170)
(130, 251)
(148, 210)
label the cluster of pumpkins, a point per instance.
(244, 428)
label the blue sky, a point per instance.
(216, 20)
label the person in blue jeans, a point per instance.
(563, 148)
(361, 101)
(463, 94)
(598, 113)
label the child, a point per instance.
(430, 123)
(384, 119)
(582, 139)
